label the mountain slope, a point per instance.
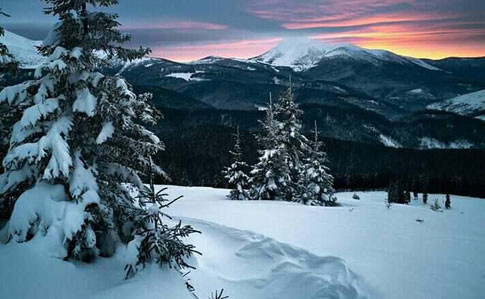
(23, 49)
(471, 104)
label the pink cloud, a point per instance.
(409, 27)
(180, 25)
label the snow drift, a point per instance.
(250, 265)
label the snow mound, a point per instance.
(388, 141)
(431, 143)
(27, 271)
(186, 76)
(302, 54)
(470, 104)
(249, 265)
(24, 50)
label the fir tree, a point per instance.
(156, 241)
(396, 193)
(448, 201)
(79, 148)
(270, 177)
(295, 144)
(408, 196)
(425, 197)
(235, 174)
(9, 115)
(315, 181)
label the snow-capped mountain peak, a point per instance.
(298, 53)
(302, 54)
(24, 50)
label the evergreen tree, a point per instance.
(235, 174)
(448, 201)
(315, 181)
(295, 144)
(155, 240)
(396, 193)
(79, 148)
(270, 176)
(9, 115)
(408, 196)
(425, 197)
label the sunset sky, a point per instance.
(186, 30)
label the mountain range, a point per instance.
(355, 94)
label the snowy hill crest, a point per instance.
(471, 104)
(302, 54)
(24, 50)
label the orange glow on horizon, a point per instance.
(419, 45)
(239, 49)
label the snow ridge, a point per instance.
(471, 104)
(250, 265)
(24, 50)
(302, 54)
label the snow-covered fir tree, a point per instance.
(270, 176)
(76, 154)
(295, 145)
(315, 180)
(235, 174)
(9, 114)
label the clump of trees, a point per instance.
(290, 167)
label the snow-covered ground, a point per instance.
(283, 250)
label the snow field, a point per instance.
(397, 256)
(256, 249)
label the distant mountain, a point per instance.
(355, 94)
(471, 104)
(302, 54)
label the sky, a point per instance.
(185, 30)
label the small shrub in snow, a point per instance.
(155, 241)
(436, 206)
(355, 196)
(219, 295)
